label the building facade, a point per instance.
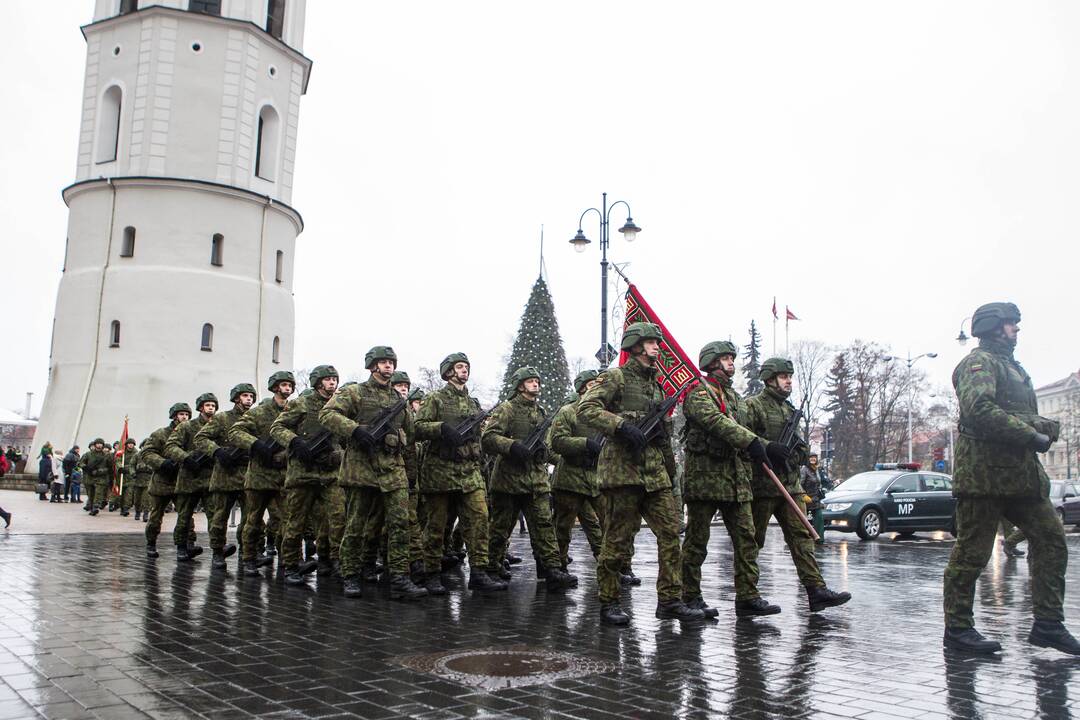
(1061, 401)
(178, 267)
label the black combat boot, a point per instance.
(450, 561)
(369, 573)
(228, 551)
(513, 559)
(194, 551)
(263, 560)
(569, 560)
(146, 516)
(699, 604)
(613, 614)
(1053, 634)
(271, 551)
(307, 567)
(93, 511)
(416, 572)
(753, 608)
(433, 584)
(124, 513)
(573, 578)
(151, 550)
(6, 516)
(138, 514)
(251, 568)
(822, 597)
(335, 566)
(557, 579)
(217, 562)
(677, 610)
(352, 587)
(629, 579)
(969, 640)
(182, 554)
(501, 573)
(293, 576)
(483, 583)
(1010, 550)
(324, 568)
(402, 588)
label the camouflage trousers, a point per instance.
(739, 521)
(416, 533)
(471, 508)
(254, 526)
(1013, 535)
(321, 505)
(134, 497)
(976, 527)
(626, 507)
(97, 491)
(570, 506)
(370, 507)
(505, 508)
(158, 503)
(184, 532)
(219, 520)
(800, 543)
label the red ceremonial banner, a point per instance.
(120, 456)
(676, 369)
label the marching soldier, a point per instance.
(265, 476)
(140, 483)
(414, 456)
(99, 465)
(194, 478)
(520, 482)
(635, 475)
(373, 472)
(998, 475)
(766, 414)
(717, 476)
(312, 491)
(127, 469)
(227, 477)
(451, 478)
(162, 488)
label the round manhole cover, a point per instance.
(507, 664)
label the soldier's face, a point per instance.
(415, 405)
(783, 382)
(328, 385)
(385, 368)
(531, 386)
(245, 400)
(99, 447)
(461, 372)
(183, 416)
(1010, 331)
(402, 389)
(727, 364)
(208, 409)
(284, 389)
(589, 384)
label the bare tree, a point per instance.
(812, 360)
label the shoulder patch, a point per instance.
(976, 367)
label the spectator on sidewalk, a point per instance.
(45, 471)
(71, 461)
(5, 465)
(76, 485)
(57, 485)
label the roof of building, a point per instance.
(7, 417)
(1060, 384)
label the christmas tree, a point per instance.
(752, 366)
(538, 344)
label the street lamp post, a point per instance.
(629, 230)
(911, 397)
(962, 338)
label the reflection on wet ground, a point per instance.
(89, 628)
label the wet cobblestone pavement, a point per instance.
(89, 628)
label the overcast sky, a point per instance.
(881, 168)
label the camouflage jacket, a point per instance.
(413, 454)
(143, 471)
(766, 414)
(181, 444)
(514, 420)
(301, 419)
(255, 425)
(717, 466)
(627, 394)
(357, 405)
(97, 465)
(998, 421)
(153, 456)
(448, 469)
(575, 470)
(127, 467)
(215, 435)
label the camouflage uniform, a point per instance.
(227, 477)
(766, 414)
(162, 486)
(128, 470)
(140, 484)
(575, 487)
(264, 479)
(98, 468)
(191, 484)
(717, 477)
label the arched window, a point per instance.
(275, 355)
(217, 249)
(266, 143)
(207, 337)
(128, 6)
(127, 247)
(207, 7)
(108, 137)
(114, 334)
(279, 267)
(275, 17)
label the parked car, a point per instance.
(1065, 495)
(894, 497)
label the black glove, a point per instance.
(757, 453)
(363, 438)
(263, 448)
(299, 449)
(778, 454)
(1041, 442)
(593, 445)
(632, 435)
(450, 435)
(191, 462)
(223, 456)
(520, 453)
(168, 467)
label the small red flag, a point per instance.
(774, 315)
(120, 457)
(790, 315)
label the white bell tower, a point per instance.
(179, 261)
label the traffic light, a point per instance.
(939, 454)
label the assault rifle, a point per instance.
(265, 449)
(318, 446)
(196, 462)
(467, 430)
(652, 425)
(234, 457)
(534, 443)
(380, 424)
(789, 435)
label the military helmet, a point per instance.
(234, 394)
(416, 394)
(640, 331)
(177, 408)
(400, 376)
(448, 362)
(522, 374)
(280, 376)
(206, 397)
(131, 440)
(991, 316)
(95, 441)
(379, 352)
(320, 372)
(584, 377)
(714, 350)
(773, 367)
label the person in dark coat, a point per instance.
(71, 461)
(45, 470)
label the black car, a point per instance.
(1065, 495)
(891, 498)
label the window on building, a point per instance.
(108, 136)
(217, 249)
(114, 334)
(127, 245)
(207, 337)
(266, 143)
(279, 267)
(275, 355)
(275, 17)
(128, 6)
(207, 7)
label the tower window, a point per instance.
(207, 338)
(275, 17)
(275, 355)
(217, 249)
(279, 267)
(127, 246)
(266, 143)
(128, 6)
(114, 334)
(207, 7)
(108, 137)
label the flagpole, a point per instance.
(774, 325)
(787, 328)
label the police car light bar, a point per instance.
(897, 466)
